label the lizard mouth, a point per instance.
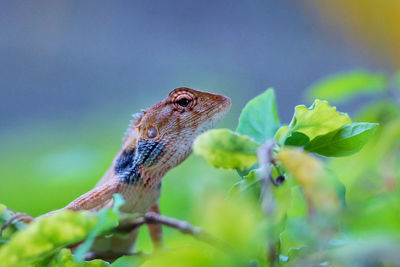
(216, 112)
(221, 107)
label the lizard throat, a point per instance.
(128, 165)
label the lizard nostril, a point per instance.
(152, 132)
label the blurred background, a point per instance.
(71, 73)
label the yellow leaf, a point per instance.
(309, 173)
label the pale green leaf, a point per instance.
(244, 172)
(250, 181)
(259, 119)
(132, 260)
(107, 219)
(281, 135)
(226, 149)
(344, 141)
(65, 259)
(235, 220)
(341, 87)
(46, 236)
(319, 119)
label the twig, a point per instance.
(155, 218)
(183, 226)
(16, 218)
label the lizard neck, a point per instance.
(150, 160)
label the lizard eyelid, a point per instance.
(184, 101)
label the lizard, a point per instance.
(158, 139)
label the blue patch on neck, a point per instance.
(147, 154)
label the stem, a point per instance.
(183, 226)
(264, 159)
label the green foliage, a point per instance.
(344, 86)
(307, 209)
(5, 216)
(344, 141)
(65, 259)
(226, 220)
(317, 120)
(323, 130)
(288, 207)
(107, 220)
(43, 240)
(46, 237)
(296, 139)
(309, 173)
(259, 118)
(248, 182)
(226, 149)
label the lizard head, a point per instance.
(184, 114)
(179, 118)
(162, 136)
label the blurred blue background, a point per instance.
(72, 72)
(64, 60)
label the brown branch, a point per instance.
(155, 218)
(183, 226)
(17, 217)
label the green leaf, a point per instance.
(295, 238)
(107, 219)
(65, 259)
(132, 260)
(46, 236)
(344, 86)
(5, 216)
(319, 119)
(218, 214)
(281, 135)
(226, 149)
(248, 182)
(344, 141)
(298, 205)
(244, 172)
(259, 118)
(283, 198)
(297, 139)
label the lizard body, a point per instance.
(157, 140)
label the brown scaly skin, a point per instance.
(157, 140)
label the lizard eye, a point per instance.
(183, 102)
